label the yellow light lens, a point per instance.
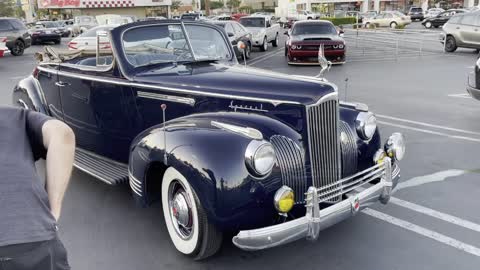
(284, 199)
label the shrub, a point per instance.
(340, 21)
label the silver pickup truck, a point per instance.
(264, 30)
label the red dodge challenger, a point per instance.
(304, 39)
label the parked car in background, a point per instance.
(68, 25)
(473, 83)
(390, 19)
(462, 30)
(432, 12)
(223, 17)
(88, 40)
(83, 23)
(237, 16)
(416, 13)
(18, 38)
(237, 33)
(264, 30)
(274, 157)
(46, 31)
(3, 47)
(305, 38)
(64, 31)
(192, 17)
(441, 18)
(305, 15)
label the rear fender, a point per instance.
(29, 94)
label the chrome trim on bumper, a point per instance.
(315, 220)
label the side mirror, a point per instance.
(230, 34)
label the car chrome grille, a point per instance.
(323, 139)
(348, 145)
(291, 160)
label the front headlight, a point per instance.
(260, 157)
(341, 46)
(395, 146)
(366, 124)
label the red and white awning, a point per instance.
(108, 3)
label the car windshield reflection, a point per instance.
(171, 44)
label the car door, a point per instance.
(379, 20)
(98, 107)
(388, 18)
(467, 29)
(47, 77)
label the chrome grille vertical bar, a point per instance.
(324, 144)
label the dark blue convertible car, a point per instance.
(225, 148)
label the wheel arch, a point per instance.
(29, 92)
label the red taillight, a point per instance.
(72, 45)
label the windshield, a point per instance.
(253, 22)
(312, 29)
(169, 43)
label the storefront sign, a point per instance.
(101, 3)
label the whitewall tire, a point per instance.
(186, 221)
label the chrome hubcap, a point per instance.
(180, 210)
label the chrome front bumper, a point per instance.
(315, 220)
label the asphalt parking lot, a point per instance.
(433, 221)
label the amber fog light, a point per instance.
(284, 199)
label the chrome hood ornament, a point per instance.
(324, 63)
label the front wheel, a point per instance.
(18, 48)
(186, 221)
(428, 25)
(450, 44)
(275, 42)
(393, 25)
(264, 47)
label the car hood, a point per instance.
(236, 81)
(297, 38)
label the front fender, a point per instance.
(29, 94)
(213, 161)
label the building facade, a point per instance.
(138, 8)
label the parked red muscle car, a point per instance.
(304, 40)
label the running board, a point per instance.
(104, 169)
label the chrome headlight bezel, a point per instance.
(395, 146)
(260, 158)
(366, 125)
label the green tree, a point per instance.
(7, 8)
(233, 4)
(216, 4)
(176, 4)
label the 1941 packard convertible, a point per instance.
(272, 157)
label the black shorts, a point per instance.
(45, 255)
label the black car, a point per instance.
(416, 13)
(17, 35)
(236, 32)
(46, 31)
(441, 18)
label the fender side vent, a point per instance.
(105, 170)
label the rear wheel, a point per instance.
(450, 44)
(428, 25)
(393, 25)
(18, 48)
(186, 221)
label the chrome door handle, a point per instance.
(61, 84)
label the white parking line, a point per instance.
(430, 178)
(431, 132)
(424, 231)
(426, 124)
(256, 61)
(463, 95)
(436, 214)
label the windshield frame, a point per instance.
(185, 33)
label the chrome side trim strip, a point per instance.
(245, 131)
(147, 86)
(135, 184)
(184, 100)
